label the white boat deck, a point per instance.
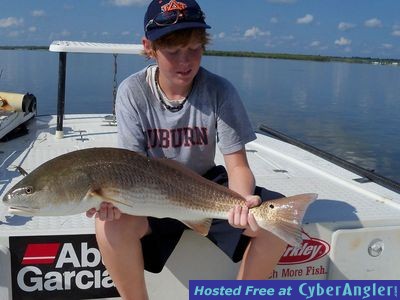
(277, 166)
(351, 232)
(346, 220)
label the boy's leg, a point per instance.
(260, 251)
(264, 249)
(261, 256)
(120, 246)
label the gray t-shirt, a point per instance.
(212, 115)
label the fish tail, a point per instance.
(283, 217)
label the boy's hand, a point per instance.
(107, 212)
(240, 217)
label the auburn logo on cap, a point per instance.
(173, 5)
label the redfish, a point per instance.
(77, 181)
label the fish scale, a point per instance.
(75, 182)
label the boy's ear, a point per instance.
(147, 47)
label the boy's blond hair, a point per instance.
(179, 38)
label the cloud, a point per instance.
(254, 32)
(373, 23)
(128, 2)
(32, 29)
(10, 21)
(344, 26)
(396, 32)
(221, 35)
(343, 42)
(65, 33)
(68, 7)
(318, 45)
(315, 44)
(273, 20)
(387, 46)
(14, 34)
(38, 13)
(307, 19)
(59, 35)
(289, 37)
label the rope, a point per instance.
(115, 83)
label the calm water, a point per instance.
(350, 110)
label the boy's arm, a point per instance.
(241, 180)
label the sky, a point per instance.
(363, 28)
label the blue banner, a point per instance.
(294, 289)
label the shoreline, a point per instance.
(266, 55)
(307, 57)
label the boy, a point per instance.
(177, 110)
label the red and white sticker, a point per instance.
(310, 250)
(58, 267)
(40, 254)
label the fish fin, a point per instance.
(200, 226)
(284, 217)
(106, 195)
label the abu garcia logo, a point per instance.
(73, 269)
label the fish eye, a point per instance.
(29, 190)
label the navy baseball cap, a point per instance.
(165, 16)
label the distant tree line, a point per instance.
(24, 47)
(321, 58)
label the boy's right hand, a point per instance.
(106, 212)
(241, 217)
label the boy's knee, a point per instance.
(122, 230)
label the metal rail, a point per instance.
(62, 66)
(64, 47)
(368, 174)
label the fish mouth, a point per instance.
(22, 210)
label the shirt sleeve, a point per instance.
(130, 132)
(234, 129)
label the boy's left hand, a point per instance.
(240, 217)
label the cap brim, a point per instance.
(156, 33)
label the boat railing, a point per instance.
(365, 174)
(64, 47)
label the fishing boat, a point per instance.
(351, 232)
(15, 110)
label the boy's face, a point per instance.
(178, 65)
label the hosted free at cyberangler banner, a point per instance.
(297, 289)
